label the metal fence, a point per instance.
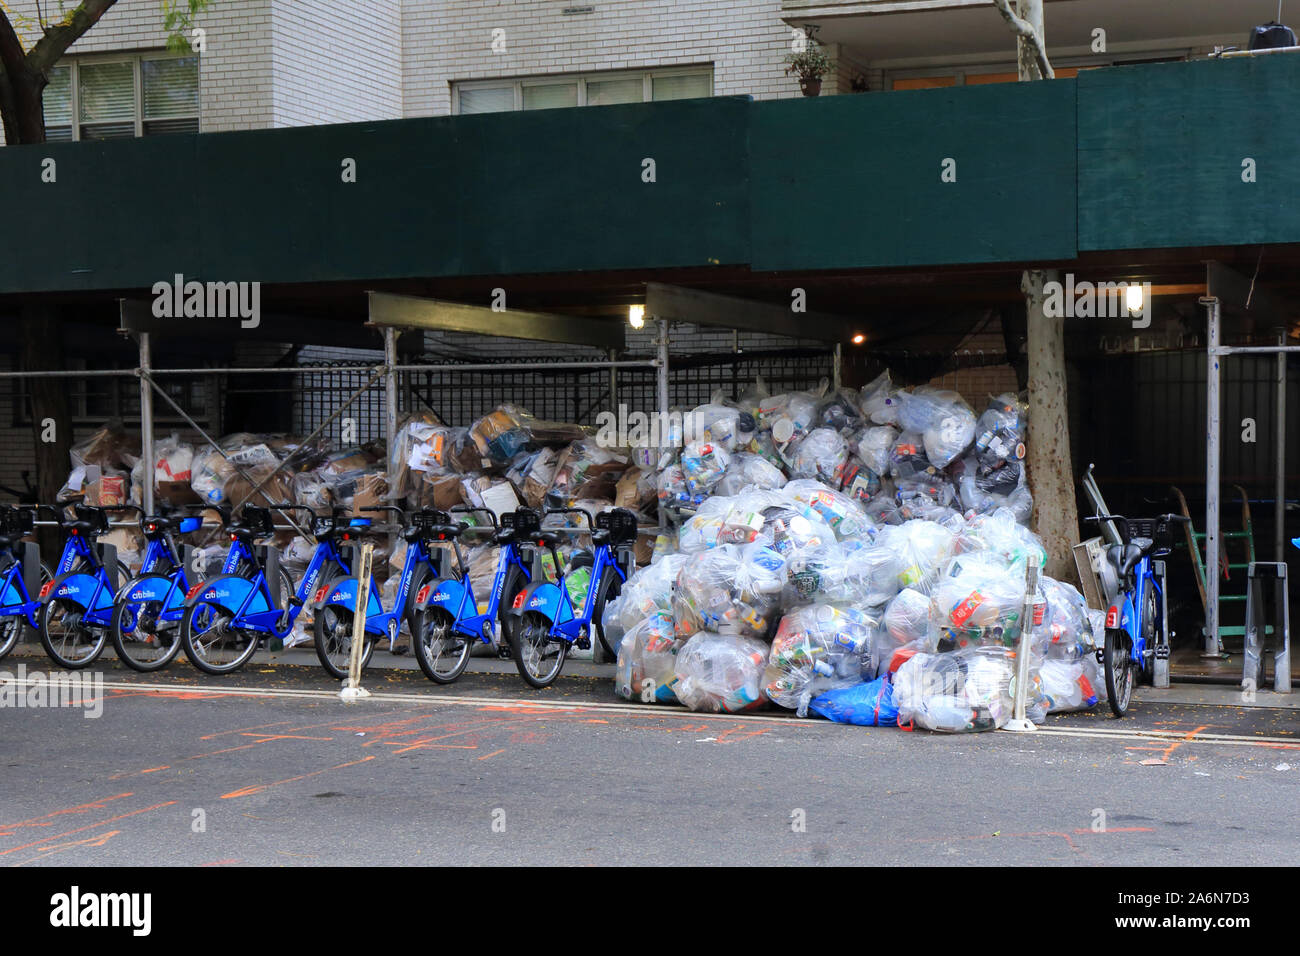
(562, 394)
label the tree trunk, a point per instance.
(42, 348)
(1051, 472)
(1031, 11)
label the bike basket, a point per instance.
(18, 522)
(426, 519)
(322, 527)
(620, 523)
(524, 522)
(257, 520)
(188, 525)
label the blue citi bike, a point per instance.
(77, 603)
(448, 622)
(147, 611)
(226, 617)
(22, 575)
(336, 603)
(548, 622)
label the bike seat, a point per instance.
(1123, 557)
(504, 536)
(600, 537)
(87, 529)
(581, 558)
(547, 539)
(446, 532)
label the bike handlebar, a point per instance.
(467, 509)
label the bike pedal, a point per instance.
(295, 601)
(1162, 653)
(584, 643)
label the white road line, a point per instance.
(1094, 733)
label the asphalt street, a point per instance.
(269, 767)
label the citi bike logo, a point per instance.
(1098, 300)
(75, 909)
(208, 300)
(36, 689)
(635, 429)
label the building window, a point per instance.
(119, 97)
(596, 89)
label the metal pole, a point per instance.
(613, 382)
(1212, 424)
(146, 425)
(390, 429)
(352, 689)
(1019, 722)
(662, 344)
(837, 361)
(1279, 483)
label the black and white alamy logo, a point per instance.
(76, 909)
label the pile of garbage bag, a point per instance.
(858, 556)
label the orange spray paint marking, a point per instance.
(89, 826)
(258, 788)
(8, 829)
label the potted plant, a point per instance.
(810, 64)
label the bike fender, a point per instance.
(541, 596)
(150, 587)
(1128, 619)
(11, 595)
(75, 586)
(228, 591)
(344, 593)
(445, 593)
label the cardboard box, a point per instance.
(371, 490)
(440, 491)
(176, 493)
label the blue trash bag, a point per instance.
(867, 705)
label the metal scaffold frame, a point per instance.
(1222, 286)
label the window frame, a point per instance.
(136, 59)
(647, 77)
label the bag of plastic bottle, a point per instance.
(1065, 686)
(978, 591)
(818, 573)
(703, 465)
(923, 547)
(874, 445)
(844, 515)
(944, 420)
(839, 410)
(674, 493)
(817, 648)
(646, 658)
(721, 673)
(958, 692)
(749, 470)
(1066, 628)
(820, 454)
(713, 423)
(728, 589)
(872, 572)
(791, 527)
(788, 416)
(647, 591)
(907, 618)
(1000, 431)
(879, 400)
(867, 705)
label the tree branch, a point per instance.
(1023, 28)
(63, 34)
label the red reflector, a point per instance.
(424, 593)
(519, 600)
(233, 537)
(320, 594)
(45, 588)
(195, 589)
(1112, 617)
(75, 532)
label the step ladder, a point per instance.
(1260, 576)
(1196, 547)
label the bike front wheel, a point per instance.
(1120, 671)
(333, 627)
(142, 643)
(538, 656)
(443, 654)
(12, 626)
(212, 643)
(67, 639)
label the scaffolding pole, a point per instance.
(1212, 428)
(1279, 476)
(146, 425)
